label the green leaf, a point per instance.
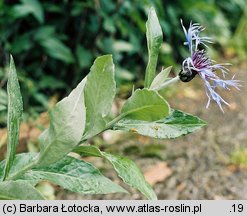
(88, 151)
(154, 40)
(44, 32)
(19, 166)
(29, 7)
(22, 43)
(67, 124)
(145, 105)
(126, 169)
(19, 190)
(131, 174)
(74, 175)
(15, 109)
(56, 49)
(176, 124)
(100, 91)
(84, 57)
(70, 173)
(160, 78)
(51, 82)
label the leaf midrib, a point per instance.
(160, 123)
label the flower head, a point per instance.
(199, 63)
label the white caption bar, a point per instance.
(124, 207)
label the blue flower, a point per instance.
(199, 63)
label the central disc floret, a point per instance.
(191, 66)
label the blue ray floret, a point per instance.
(199, 63)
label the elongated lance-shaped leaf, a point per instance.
(15, 109)
(154, 40)
(176, 124)
(100, 91)
(67, 124)
(19, 190)
(72, 174)
(126, 169)
(146, 105)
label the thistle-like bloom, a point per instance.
(199, 63)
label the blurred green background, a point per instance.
(54, 43)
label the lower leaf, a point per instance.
(126, 169)
(19, 190)
(74, 175)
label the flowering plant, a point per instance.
(85, 113)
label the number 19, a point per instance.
(238, 208)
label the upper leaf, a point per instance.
(145, 105)
(100, 91)
(160, 78)
(67, 124)
(154, 32)
(15, 109)
(154, 40)
(176, 124)
(19, 190)
(74, 175)
(126, 169)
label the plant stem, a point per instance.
(115, 120)
(108, 126)
(150, 70)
